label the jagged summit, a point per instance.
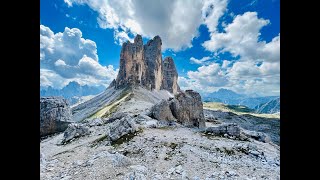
(143, 65)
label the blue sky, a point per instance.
(215, 43)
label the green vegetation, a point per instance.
(237, 109)
(113, 106)
(230, 108)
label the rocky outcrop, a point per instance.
(142, 65)
(186, 108)
(121, 127)
(170, 76)
(162, 111)
(74, 130)
(55, 115)
(153, 60)
(132, 65)
(231, 129)
(259, 136)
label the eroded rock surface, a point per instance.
(186, 108)
(143, 65)
(74, 130)
(170, 76)
(55, 115)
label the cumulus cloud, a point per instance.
(225, 63)
(257, 70)
(241, 37)
(212, 10)
(66, 56)
(200, 61)
(204, 77)
(175, 21)
(244, 77)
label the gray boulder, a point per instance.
(74, 130)
(259, 136)
(187, 108)
(231, 129)
(55, 115)
(121, 127)
(162, 111)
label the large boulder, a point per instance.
(73, 131)
(230, 129)
(187, 108)
(55, 115)
(162, 111)
(259, 136)
(121, 127)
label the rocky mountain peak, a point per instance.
(138, 40)
(143, 65)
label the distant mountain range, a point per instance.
(269, 107)
(232, 98)
(72, 92)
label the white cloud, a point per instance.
(121, 37)
(200, 61)
(225, 63)
(241, 38)
(210, 75)
(212, 10)
(244, 77)
(175, 21)
(66, 56)
(257, 70)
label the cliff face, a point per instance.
(142, 65)
(170, 76)
(132, 65)
(153, 60)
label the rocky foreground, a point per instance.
(127, 147)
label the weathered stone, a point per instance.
(95, 122)
(132, 65)
(121, 127)
(259, 136)
(162, 111)
(55, 115)
(187, 108)
(119, 160)
(153, 60)
(74, 130)
(170, 76)
(229, 129)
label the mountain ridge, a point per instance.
(230, 97)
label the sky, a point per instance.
(215, 44)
